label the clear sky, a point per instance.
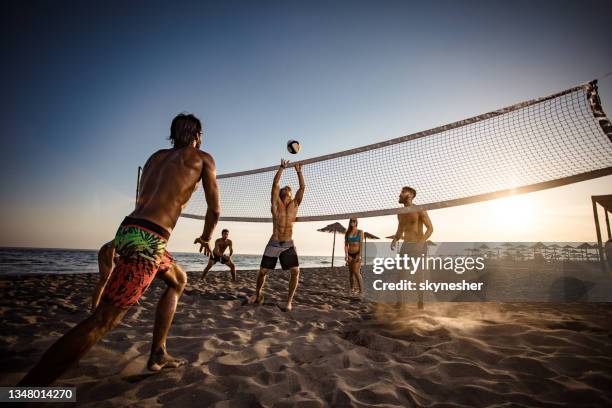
(89, 91)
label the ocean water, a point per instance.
(25, 261)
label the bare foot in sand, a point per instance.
(288, 307)
(254, 300)
(160, 360)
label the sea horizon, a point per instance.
(20, 261)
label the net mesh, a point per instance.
(534, 142)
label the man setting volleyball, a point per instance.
(221, 245)
(169, 178)
(280, 246)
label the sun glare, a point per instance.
(512, 213)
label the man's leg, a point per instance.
(211, 262)
(105, 267)
(232, 269)
(176, 279)
(73, 345)
(261, 281)
(293, 284)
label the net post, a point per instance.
(597, 229)
(608, 224)
(597, 110)
(137, 186)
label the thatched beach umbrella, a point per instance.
(538, 246)
(367, 235)
(335, 227)
(507, 247)
(554, 248)
(585, 249)
(566, 251)
(519, 251)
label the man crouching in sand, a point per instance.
(284, 211)
(169, 178)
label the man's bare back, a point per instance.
(161, 201)
(169, 178)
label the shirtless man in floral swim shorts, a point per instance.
(169, 178)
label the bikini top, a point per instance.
(355, 238)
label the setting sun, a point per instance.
(512, 213)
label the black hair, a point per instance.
(408, 188)
(224, 230)
(184, 129)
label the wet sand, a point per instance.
(331, 350)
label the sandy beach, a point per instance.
(331, 350)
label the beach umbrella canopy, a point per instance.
(539, 245)
(484, 246)
(507, 245)
(584, 246)
(367, 235)
(333, 228)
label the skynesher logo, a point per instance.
(411, 264)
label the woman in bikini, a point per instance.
(352, 252)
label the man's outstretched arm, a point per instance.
(276, 181)
(299, 196)
(211, 194)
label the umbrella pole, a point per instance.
(365, 254)
(333, 248)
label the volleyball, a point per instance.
(293, 146)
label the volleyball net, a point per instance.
(541, 143)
